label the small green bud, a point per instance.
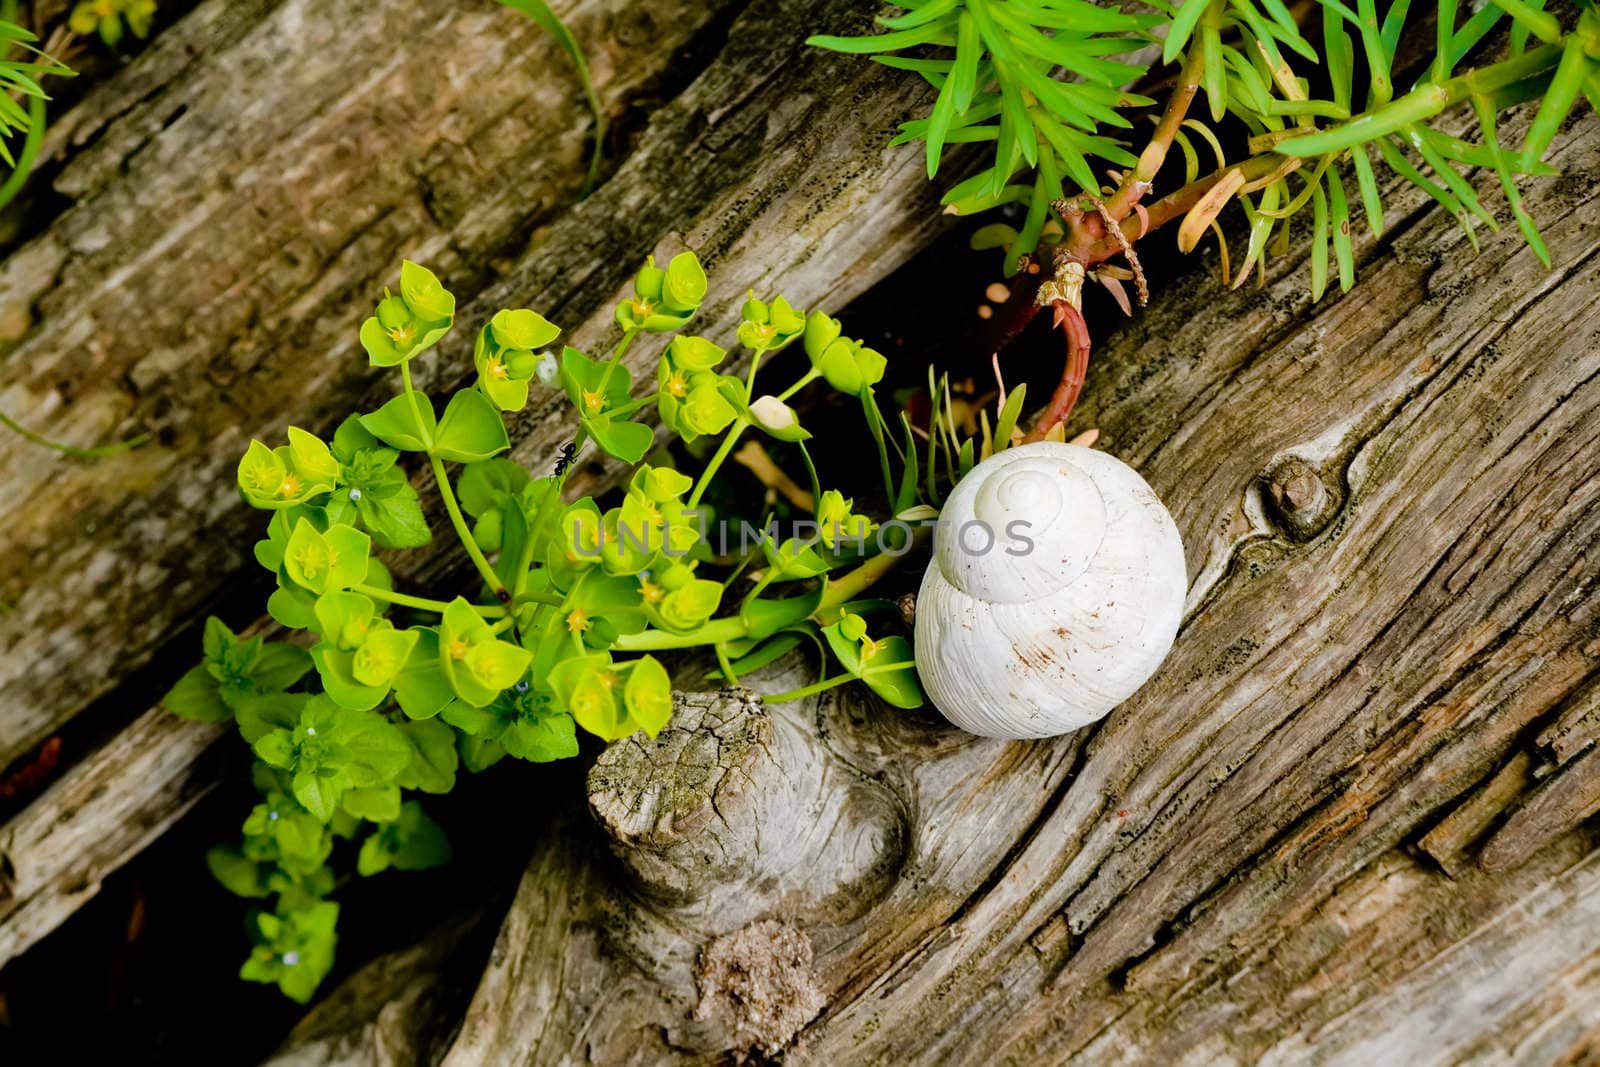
(853, 627)
(393, 313)
(650, 280)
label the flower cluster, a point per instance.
(386, 693)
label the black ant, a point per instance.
(569, 452)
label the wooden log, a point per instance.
(771, 164)
(1389, 504)
(238, 196)
(1223, 869)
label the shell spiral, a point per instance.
(1056, 589)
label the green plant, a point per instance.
(22, 66)
(111, 18)
(385, 693)
(1307, 99)
(20, 77)
(539, 11)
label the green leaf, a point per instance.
(395, 424)
(1183, 24)
(424, 295)
(550, 737)
(762, 654)
(539, 11)
(497, 664)
(891, 673)
(238, 875)
(197, 696)
(276, 749)
(685, 608)
(432, 768)
(486, 486)
(336, 667)
(292, 607)
(586, 686)
(279, 666)
(522, 328)
(260, 714)
(374, 750)
(627, 441)
(647, 694)
(262, 478)
(375, 804)
(685, 284)
(412, 842)
(395, 521)
(421, 688)
(311, 458)
(471, 429)
(1339, 228)
(763, 618)
(319, 793)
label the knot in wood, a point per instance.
(682, 809)
(1298, 498)
(736, 812)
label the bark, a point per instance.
(1348, 820)
(230, 230)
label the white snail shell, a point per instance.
(1018, 641)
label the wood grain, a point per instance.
(774, 169)
(1225, 869)
(1349, 819)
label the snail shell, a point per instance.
(1056, 589)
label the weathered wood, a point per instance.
(1389, 505)
(773, 168)
(400, 1010)
(54, 854)
(1222, 870)
(238, 196)
(1450, 839)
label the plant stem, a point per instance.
(715, 632)
(808, 690)
(463, 533)
(1136, 183)
(633, 405)
(1073, 374)
(732, 627)
(859, 580)
(750, 381)
(616, 358)
(805, 379)
(416, 408)
(69, 450)
(738, 427)
(726, 664)
(447, 494)
(874, 417)
(421, 603)
(1173, 206)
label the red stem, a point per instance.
(1072, 324)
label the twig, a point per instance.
(1070, 319)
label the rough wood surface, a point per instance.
(229, 230)
(1238, 865)
(771, 164)
(1348, 820)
